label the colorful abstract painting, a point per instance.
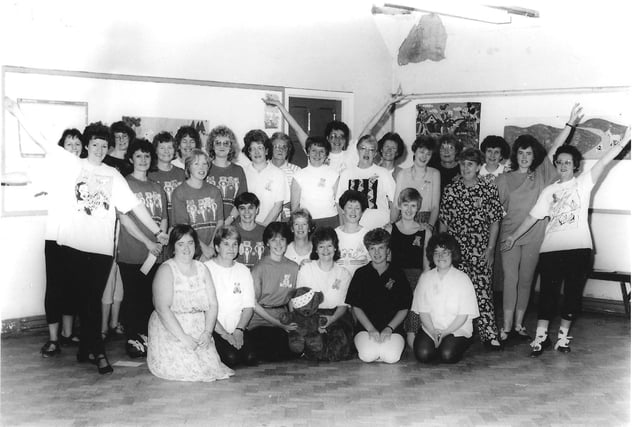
(456, 118)
(592, 137)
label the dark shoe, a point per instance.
(82, 357)
(520, 334)
(539, 345)
(562, 345)
(50, 348)
(103, 365)
(493, 345)
(135, 349)
(69, 341)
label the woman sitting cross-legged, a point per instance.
(446, 302)
(380, 297)
(180, 344)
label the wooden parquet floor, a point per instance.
(589, 386)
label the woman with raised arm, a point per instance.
(181, 347)
(92, 192)
(565, 253)
(531, 171)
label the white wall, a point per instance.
(292, 44)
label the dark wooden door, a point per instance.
(312, 114)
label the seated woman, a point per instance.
(322, 274)
(353, 253)
(273, 278)
(180, 345)
(380, 297)
(302, 226)
(446, 302)
(236, 300)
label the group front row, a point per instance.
(213, 316)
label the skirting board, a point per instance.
(12, 327)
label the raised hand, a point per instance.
(576, 115)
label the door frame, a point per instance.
(346, 99)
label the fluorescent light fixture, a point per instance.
(455, 9)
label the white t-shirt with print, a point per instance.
(333, 284)
(234, 292)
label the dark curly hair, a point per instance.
(495, 141)
(324, 234)
(259, 136)
(444, 241)
(96, 130)
(523, 142)
(571, 150)
(392, 136)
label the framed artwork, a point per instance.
(592, 137)
(148, 127)
(461, 119)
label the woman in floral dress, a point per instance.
(471, 211)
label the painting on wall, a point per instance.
(461, 119)
(592, 137)
(148, 127)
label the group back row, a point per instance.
(414, 248)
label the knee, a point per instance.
(423, 352)
(230, 357)
(449, 355)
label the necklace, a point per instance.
(423, 177)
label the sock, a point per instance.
(541, 331)
(563, 331)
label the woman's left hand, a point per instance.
(489, 255)
(204, 339)
(238, 336)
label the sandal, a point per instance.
(71, 340)
(117, 330)
(103, 365)
(50, 348)
(82, 357)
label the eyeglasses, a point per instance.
(442, 253)
(564, 163)
(365, 149)
(222, 143)
(336, 136)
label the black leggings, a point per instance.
(60, 298)
(451, 348)
(233, 357)
(271, 343)
(572, 268)
(137, 303)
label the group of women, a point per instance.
(398, 254)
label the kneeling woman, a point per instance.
(324, 275)
(380, 297)
(180, 345)
(236, 299)
(446, 302)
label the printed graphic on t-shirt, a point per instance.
(565, 210)
(153, 202)
(353, 257)
(236, 288)
(169, 186)
(286, 281)
(202, 211)
(228, 185)
(250, 252)
(368, 187)
(93, 194)
(336, 284)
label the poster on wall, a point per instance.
(593, 137)
(461, 119)
(148, 127)
(271, 113)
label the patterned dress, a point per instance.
(169, 358)
(468, 213)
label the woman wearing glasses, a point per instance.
(531, 171)
(374, 181)
(283, 150)
(446, 302)
(227, 176)
(565, 254)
